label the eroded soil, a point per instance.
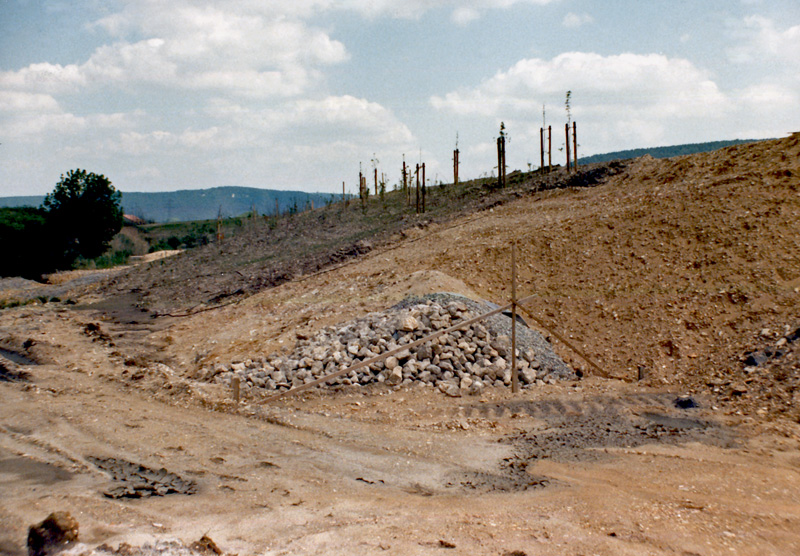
(669, 275)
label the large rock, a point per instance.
(53, 534)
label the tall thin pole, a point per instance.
(417, 172)
(455, 167)
(504, 161)
(549, 148)
(541, 148)
(514, 372)
(423, 187)
(575, 144)
(499, 162)
(566, 129)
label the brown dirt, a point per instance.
(675, 269)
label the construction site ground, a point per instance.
(667, 275)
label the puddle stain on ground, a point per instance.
(138, 481)
(30, 470)
(580, 430)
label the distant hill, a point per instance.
(665, 152)
(202, 204)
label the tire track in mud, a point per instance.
(551, 409)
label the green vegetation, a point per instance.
(84, 213)
(24, 237)
(75, 223)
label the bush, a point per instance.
(27, 251)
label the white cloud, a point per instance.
(464, 15)
(759, 38)
(621, 101)
(16, 102)
(196, 47)
(624, 84)
(573, 20)
(43, 78)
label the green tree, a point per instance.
(83, 214)
(24, 237)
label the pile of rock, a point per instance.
(461, 361)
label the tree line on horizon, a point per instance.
(75, 221)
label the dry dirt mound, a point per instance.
(666, 269)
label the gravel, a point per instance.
(456, 363)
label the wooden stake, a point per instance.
(423, 188)
(541, 148)
(376, 181)
(499, 162)
(549, 148)
(575, 144)
(514, 372)
(455, 167)
(235, 386)
(566, 128)
(417, 173)
(505, 183)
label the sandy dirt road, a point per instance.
(591, 467)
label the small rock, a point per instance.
(408, 323)
(396, 376)
(391, 362)
(738, 388)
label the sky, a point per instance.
(300, 94)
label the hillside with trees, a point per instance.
(203, 204)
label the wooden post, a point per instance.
(423, 188)
(499, 162)
(514, 371)
(504, 163)
(235, 386)
(549, 148)
(455, 167)
(541, 148)
(406, 190)
(566, 129)
(376, 181)
(575, 144)
(417, 174)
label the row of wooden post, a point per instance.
(571, 143)
(572, 153)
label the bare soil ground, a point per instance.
(683, 272)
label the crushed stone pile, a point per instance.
(458, 362)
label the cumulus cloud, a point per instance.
(620, 101)
(573, 20)
(463, 16)
(187, 46)
(622, 84)
(16, 102)
(760, 39)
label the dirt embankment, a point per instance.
(684, 272)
